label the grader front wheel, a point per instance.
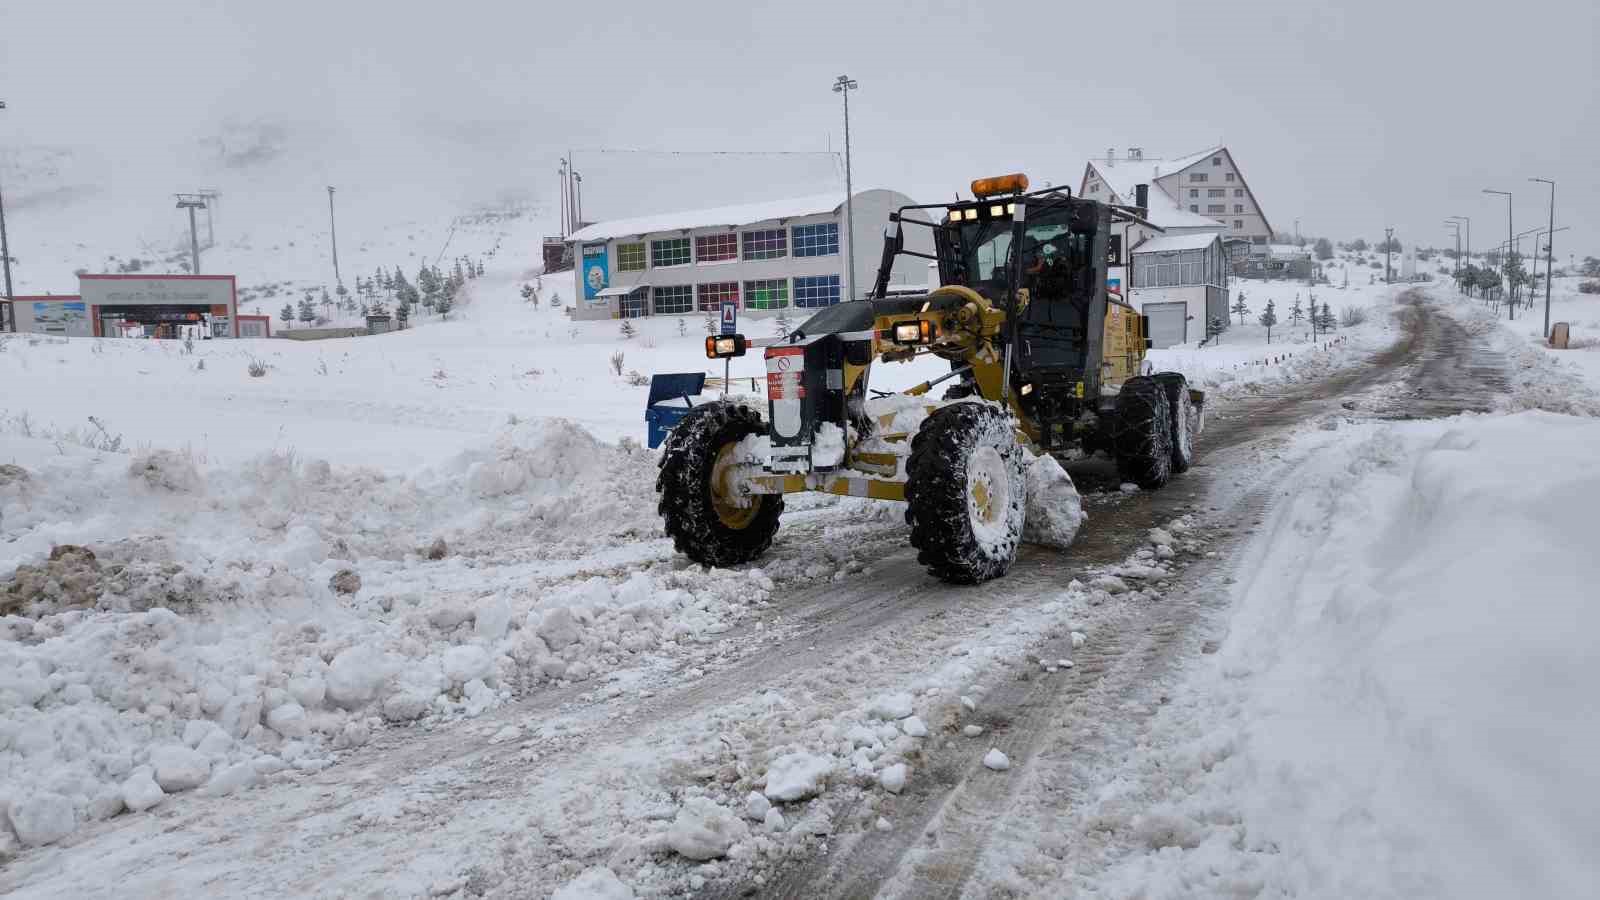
(966, 493)
(703, 513)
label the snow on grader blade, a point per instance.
(1044, 361)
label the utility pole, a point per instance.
(1550, 253)
(334, 234)
(1388, 248)
(844, 85)
(10, 324)
(572, 192)
(578, 192)
(1456, 271)
(192, 202)
(563, 173)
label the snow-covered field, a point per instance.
(1401, 705)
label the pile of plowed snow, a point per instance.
(169, 626)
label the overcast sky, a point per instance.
(1349, 116)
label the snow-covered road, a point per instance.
(825, 736)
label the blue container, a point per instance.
(661, 418)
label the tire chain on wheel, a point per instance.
(684, 481)
(936, 492)
(1182, 417)
(1143, 433)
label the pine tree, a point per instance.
(1327, 319)
(555, 300)
(1323, 249)
(480, 268)
(713, 322)
(308, 313)
(527, 292)
(456, 273)
(1269, 318)
(402, 314)
(1215, 328)
(1296, 314)
(327, 302)
(683, 327)
(445, 302)
(287, 315)
(1240, 308)
(627, 330)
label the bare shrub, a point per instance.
(257, 368)
(1352, 316)
(616, 363)
(637, 380)
(1589, 287)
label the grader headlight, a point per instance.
(921, 331)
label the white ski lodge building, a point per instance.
(1202, 217)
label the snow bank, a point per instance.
(1404, 704)
(170, 626)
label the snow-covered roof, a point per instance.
(1287, 250)
(1169, 243)
(739, 214)
(1123, 176)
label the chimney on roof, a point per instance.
(1136, 153)
(1111, 154)
(1141, 199)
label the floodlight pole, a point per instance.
(1550, 253)
(1388, 247)
(334, 235)
(192, 202)
(844, 85)
(10, 324)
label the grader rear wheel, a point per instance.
(1142, 433)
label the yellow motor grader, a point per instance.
(1044, 359)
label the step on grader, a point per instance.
(1043, 359)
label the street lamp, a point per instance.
(1505, 261)
(192, 202)
(1550, 257)
(1467, 241)
(843, 85)
(10, 324)
(1457, 227)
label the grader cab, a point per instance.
(1043, 359)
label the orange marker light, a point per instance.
(1015, 183)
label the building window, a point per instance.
(771, 293)
(1216, 207)
(815, 240)
(815, 290)
(1194, 192)
(1230, 176)
(716, 247)
(1217, 192)
(1238, 192)
(1194, 207)
(1216, 160)
(671, 252)
(634, 303)
(712, 295)
(630, 257)
(1238, 207)
(1094, 188)
(1172, 269)
(678, 298)
(769, 244)
(1238, 224)
(1198, 177)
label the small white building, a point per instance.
(768, 256)
(1181, 282)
